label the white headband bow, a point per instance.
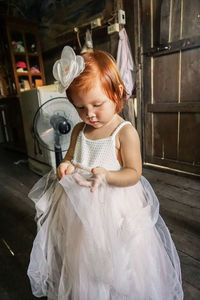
(67, 68)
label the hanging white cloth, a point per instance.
(88, 46)
(125, 62)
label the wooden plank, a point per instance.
(175, 20)
(173, 107)
(128, 112)
(17, 230)
(146, 41)
(180, 211)
(185, 232)
(190, 292)
(146, 23)
(156, 21)
(180, 194)
(168, 187)
(173, 47)
(63, 17)
(191, 269)
(146, 80)
(70, 37)
(189, 144)
(146, 96)
(164, 21)
(191, 23)
(181, 182)
(17, 191)
(165, 80)
(114, 40)
(178, 197)
(183, 238)
(13, 274)
(190, 74)
(138, 70)
(176, 165)
(165, 135)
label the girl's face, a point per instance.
(94, 107)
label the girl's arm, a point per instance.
(66, 167)
(70, 153)
(131, 160)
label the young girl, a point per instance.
(100, 235)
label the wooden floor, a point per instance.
(179, 199)
(17, 226)
(180, 205)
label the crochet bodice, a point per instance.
(89, 153)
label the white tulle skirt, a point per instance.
(108, 245)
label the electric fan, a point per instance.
(53, 124)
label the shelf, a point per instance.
(19, 53)
(24, 53)
(22, 73)
(33, 53)
(35, 74)
(30, 59)
(28, 73)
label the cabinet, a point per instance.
(25, 53)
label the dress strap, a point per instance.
(83, 129)
(119, 127)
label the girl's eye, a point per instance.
(81, 107)
(97, 105)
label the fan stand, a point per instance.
(58, 150)
(61, 126)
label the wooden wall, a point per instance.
(100, 39)
(54, 38)
(53, 42)
(171, 91)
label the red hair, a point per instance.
(100, 65)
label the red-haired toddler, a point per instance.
(100, 235)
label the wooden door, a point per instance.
(170, 56)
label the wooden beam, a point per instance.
(174, 165)
(168, 48)
(174, 107)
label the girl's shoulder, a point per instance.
(124, 127)
(128, 133)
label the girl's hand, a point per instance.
(99, 176)
(64, 168)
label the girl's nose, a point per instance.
(90, 112)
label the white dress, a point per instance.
(111, 244)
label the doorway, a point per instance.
(170, 83)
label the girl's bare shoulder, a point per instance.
(127, 133)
